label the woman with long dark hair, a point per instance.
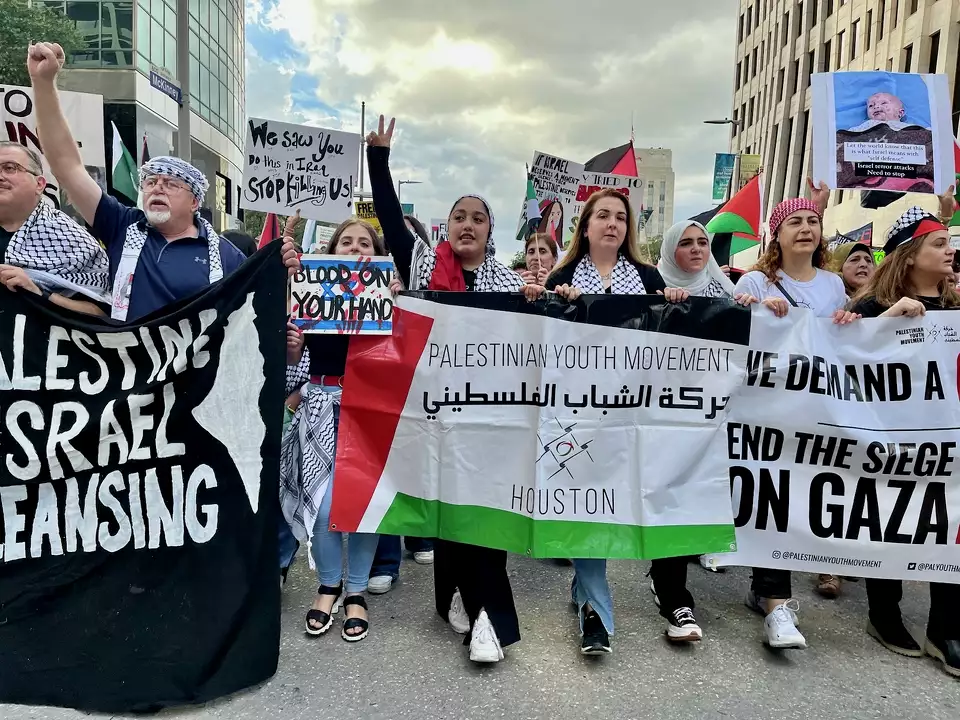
(604, 257)
(307, 465)
(472, 589)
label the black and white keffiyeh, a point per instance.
(713, 290)
(58, 254)
(914, 222)
(136, 235)
(624, 279)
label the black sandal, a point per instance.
(354, 622)
(325, 620)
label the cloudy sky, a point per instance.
(476, 87)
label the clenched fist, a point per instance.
(44, 61)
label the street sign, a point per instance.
(169, 87)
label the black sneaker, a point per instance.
(947, 652)
(682, 626)
(595, 641)
(894, 636)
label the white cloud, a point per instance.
(477, 87)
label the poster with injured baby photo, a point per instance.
(882, 131)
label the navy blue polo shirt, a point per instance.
(166, 271)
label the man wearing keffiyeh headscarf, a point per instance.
(158, 255)
(42, 250)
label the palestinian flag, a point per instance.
(740, 217)
(522, 456)
(271, 230)
(621, 160)
(955, 221)
(530, 218)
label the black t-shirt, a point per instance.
(870, 308)
(5, 236)
(470, 279)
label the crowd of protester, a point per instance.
(137, 261)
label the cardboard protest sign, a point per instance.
(438, 230)
(139, 498)
(365, 210)
(882, 131)
(343, 295)
(632, 187)
(291, 167)
(84, 114)
(556, 182)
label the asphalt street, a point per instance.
(412, 666)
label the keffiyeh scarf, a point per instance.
(136, 235)
(492, 275)
(624, 280)
(58, 254)
(915, 222)
(307, 453)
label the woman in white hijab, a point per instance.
(686, 262)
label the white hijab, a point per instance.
(674, 276)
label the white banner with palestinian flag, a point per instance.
(505, 424)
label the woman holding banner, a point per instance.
(914, 277)
(604, 257)
(307, 460)
(686, 262)
(791, 273)
(471, 585)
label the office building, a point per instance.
(780, 43)
(128, 38)
(655, 166)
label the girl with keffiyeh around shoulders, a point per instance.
(472, 588)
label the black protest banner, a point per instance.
(138, 485)
(298, 167)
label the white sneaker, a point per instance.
(683, 627)
(653, 590)
(758, 605)
(423, 557)
(380, 584)
(457, 615)
(484, 646)
(705, 564)
(781, 632)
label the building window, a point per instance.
(107, 28)
(740, 30)
(750, 113)
(753, 64)
(914, 6)
(813, 13)
(868, 40)
(737, 78)
(934, 52)
(796, 75)
(896, 11)
(799, 16)
(839, 50)
(854, 33)
(785, 34)
(882, 13)
(827, 55)
(908, 58)
(780, 78)
(810, 65)
(829, 8)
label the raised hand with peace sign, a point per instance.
(382, 138)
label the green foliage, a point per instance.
(651, 251)
(21, 24)
(518, 261)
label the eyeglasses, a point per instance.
(11, 168)
(165, 183)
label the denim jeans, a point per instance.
(286, 542)
(590, 586)
(389, 554)
(327, 545)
